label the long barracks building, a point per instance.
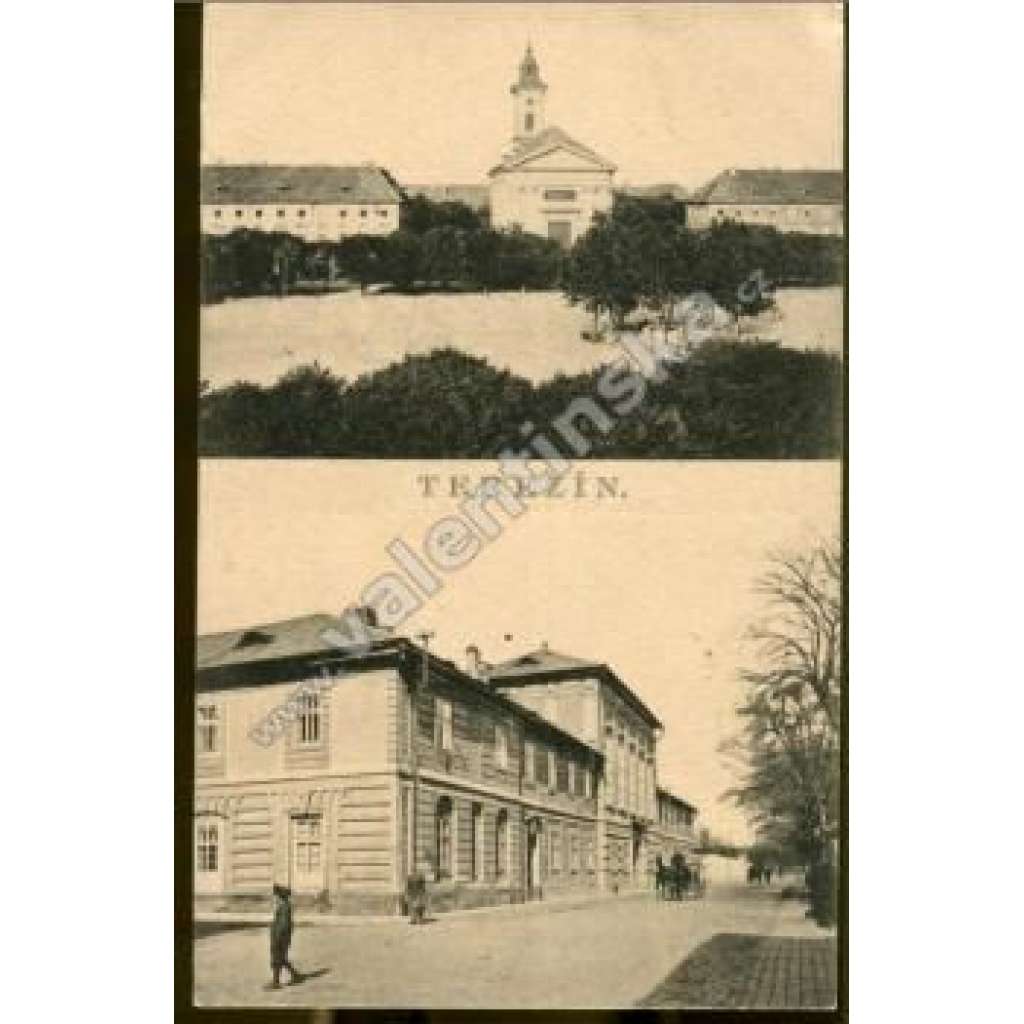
(506, 782)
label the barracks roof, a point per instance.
(772, 187)
(272, 183)
(545, 141)
(544, 664)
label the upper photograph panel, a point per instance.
(522, 230)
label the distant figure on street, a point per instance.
(281, 937)
(416, 895)
(767, 876)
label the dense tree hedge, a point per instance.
(729, 400)
(641, 254)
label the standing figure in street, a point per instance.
(281, 937)
(416, 894)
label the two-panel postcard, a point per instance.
(519, 675)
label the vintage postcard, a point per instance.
(519, 675)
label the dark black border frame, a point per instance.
(188, 48)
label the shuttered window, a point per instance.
(207, 845)
(207, 729)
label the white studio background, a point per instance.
(934, 508)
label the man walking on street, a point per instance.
(281, 937)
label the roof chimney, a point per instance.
(473, 662)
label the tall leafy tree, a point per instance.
(788, 751)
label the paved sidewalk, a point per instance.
(261, 918)
(745, 972)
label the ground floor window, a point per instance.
(207, 845)
(477, 841)
(501, 844)
(443, 835)
(307, 852)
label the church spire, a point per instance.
(529, 72)
(528, 104)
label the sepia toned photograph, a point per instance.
(519, 665)
(566, 754)
(426, 225)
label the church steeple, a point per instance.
(528, 99)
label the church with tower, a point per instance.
(547, 182)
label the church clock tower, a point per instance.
(528, 99)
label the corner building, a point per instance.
(519, 782)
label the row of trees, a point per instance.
(729, 400)
(788, 752)
(641, 255)
(440, 245)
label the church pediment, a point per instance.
(560, 158)
(553, 149)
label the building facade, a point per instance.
(390, 757)
(547, 183)
(318, 204)
(810, 202)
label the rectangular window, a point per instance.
(259, 213)
(574, 852)
(541, 764)
(444, 837)
(560, 195)
(585, 773)
(302, 213)
(501, 747)
(552, 769)
(306, 858)
(528, 756)
(561, 775)
(207, 845)
(343, 213)
(501, 844)
(208, 729)
(309, 719)
(216, 213)
(556, 851)
(382, 213)
(443, 720)
(571, 782)
(362, 213)
(280, 213)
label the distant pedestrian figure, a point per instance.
(281, 937)
(767, 876)
(416, 896)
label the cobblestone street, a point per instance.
(613, 953)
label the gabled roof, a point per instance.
(541, 660)
(772, 187)
(545, 142)
(269, 183)
(545, 665)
